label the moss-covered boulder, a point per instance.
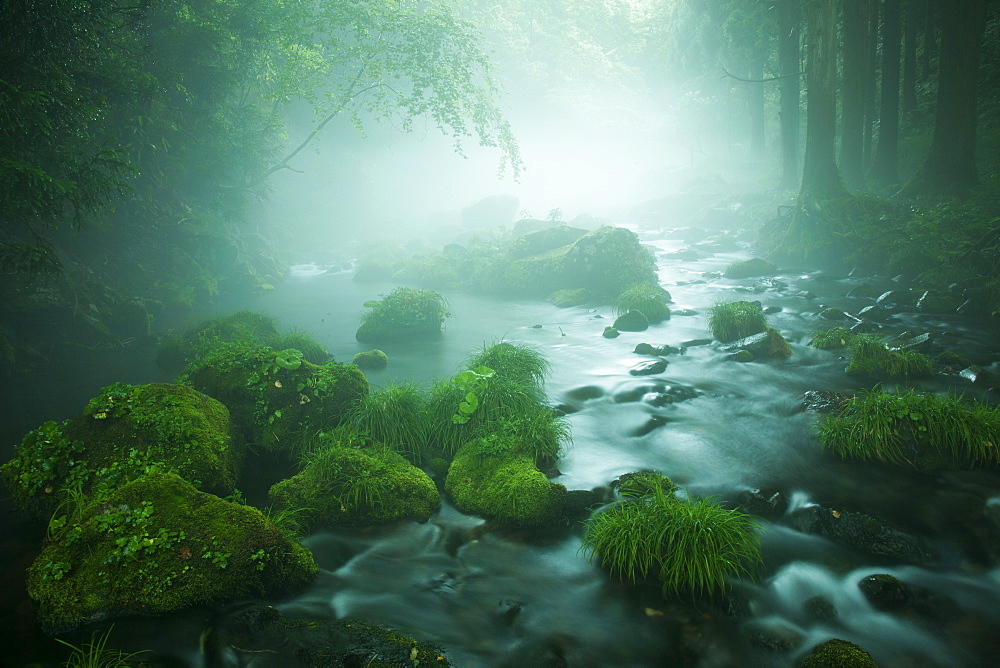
(402, 314)
(730, 321)
(544, 240)
(632, 321)
(836, 653)
(769, 344)
(124, 432)
(604, 261)
(569, 297)
(505, 487)
(276, 398)
(648, 299)
(871, 358)
(749, 268)
(262, 629)
(371, 359)
(358, 486)
(155, 546)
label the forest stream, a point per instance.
(495, 597)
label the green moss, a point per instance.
(649, 299)
(924, 430)
(836, 653)
(277, 399)
(736, 320)
(632, 321)
(124, 432)
(570, 297)
(749, 268)
(691, 546)
(363, 485)
(610, 333)
(155, 546)
(870, 357)
(297, 339)
(833, 339)
(371, 359)
(503, 486)
(775, 346)
(403, 313)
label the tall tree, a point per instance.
(910, 21)
(789, 67)
(857, 76)
(950, 167)
(885, 165)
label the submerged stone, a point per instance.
(633, 321)
(649, 368)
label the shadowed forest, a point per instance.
(556, 333)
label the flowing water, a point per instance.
(532, 597)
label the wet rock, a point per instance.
(649, 368)
(610, 333)
(898, 298)
(820, 608)
(579, 502)
(683, 312)
(509, 609)
(768, 310)
(769, 504)
(866, 327)
(905, 341)
(633, 321)
(864, 533)
(650, 425)
(938, 302)
(824, 401)
(806, 294)
(874, 313)
(773, 636)
(585, 393)
(669, 394)
(741, 356)
(750, 268)
(650, 349)
(884, 592)
(834, 314)
(769, 284)
(863, 291)
(691, 343)
(766, 344)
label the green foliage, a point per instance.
(836, 653)
(570, 297)
(470, 381)
(97, 654)
(735, 320)
(371, 359)
(871, 357)
(403, 312)
(297, 339)
(748, 268)
(833, 339)
(650, 300)
(927, 431)
(691, 546)
(516, 362)
(395, 416)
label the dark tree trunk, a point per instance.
(929, 52)
(950, 167)
(789, 64)
(910, 56)
(820, 178)
(756, 101)
(871, 109)
(885, 169)
(855, 87)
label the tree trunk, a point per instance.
(929, 51)
(857, 74)
(820, 178)
(789, 60)
(910, 56)
(756, 101)
(885, 169)
(871, 110)
(950, 168)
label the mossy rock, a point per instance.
(315, 643)
(358, 487)
(749, 269)
(156, 546)
(124, 432)
(870, 357)
(610, 333)
(503, 487)
(276, 398)
(833, 339)
(402, 314)
(371, 359)
(648, 299)
(544, 240)
(836, 653)
(569, 297)
(769, 344)
(633, 321)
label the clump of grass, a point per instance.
(650, 300)
(691, 546)
(832, 339)
(730, 321)
(311, 349)
(516, 362)
(871, 357)
(927, 431)
(402, 313)
(395, 416)
(97, 654)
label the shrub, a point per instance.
(691, 546)
(404, 312)
(871, 357)
(735, 320)
(650, 300)
(925, 430)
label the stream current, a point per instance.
(532, 597)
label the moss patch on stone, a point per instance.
(158, 545)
